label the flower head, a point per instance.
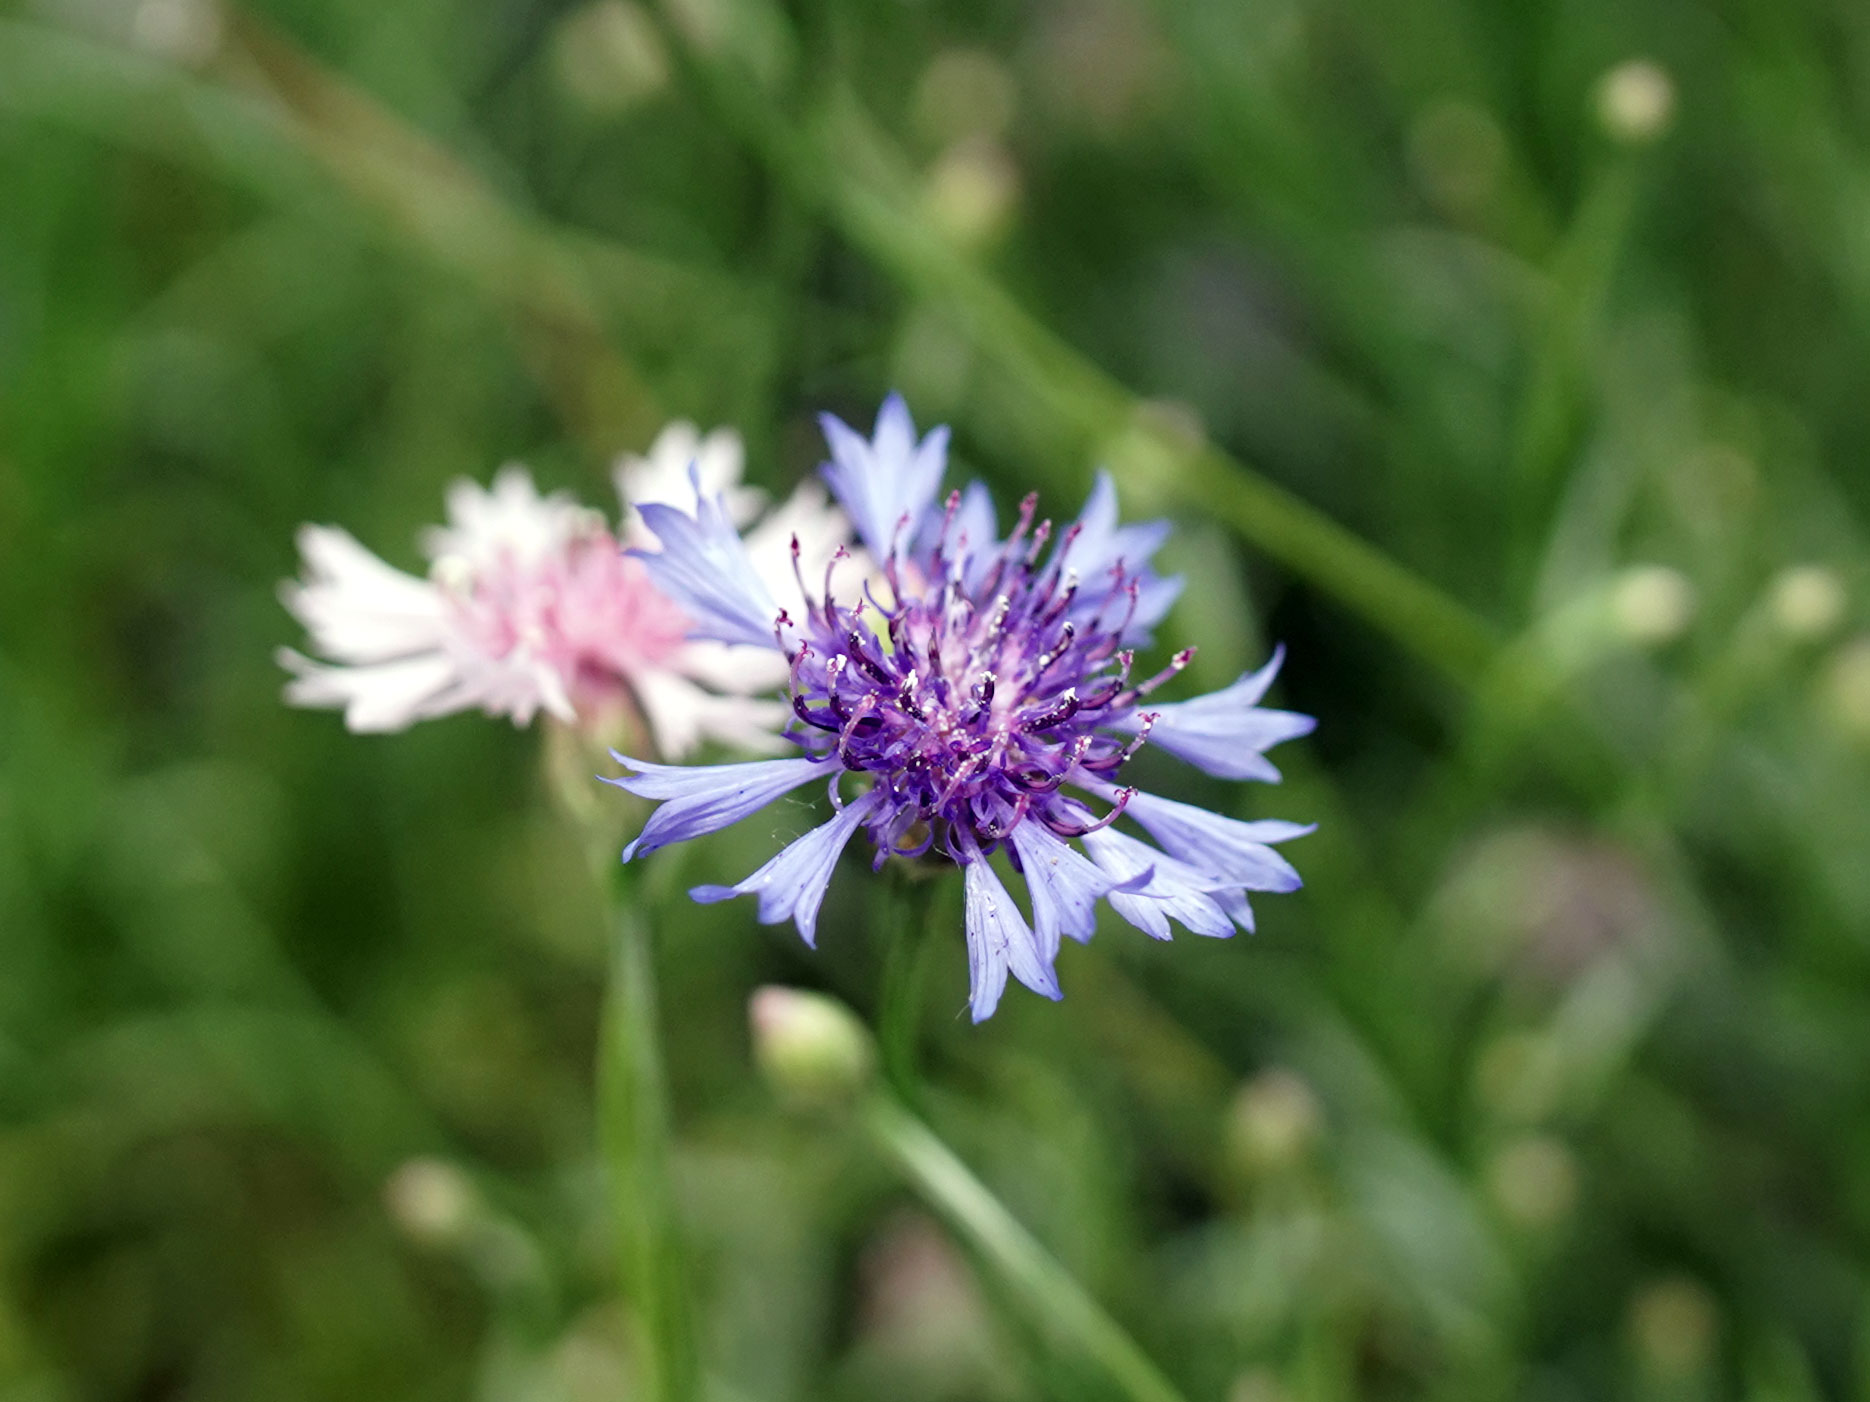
(531, 604)
(980, 695)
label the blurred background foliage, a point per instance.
(1554, 1083)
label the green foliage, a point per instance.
(1554, 1081)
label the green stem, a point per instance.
(906, 911)
(635, 1134)
(1052, 1297)
(1548, 420)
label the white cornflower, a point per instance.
(532, 605)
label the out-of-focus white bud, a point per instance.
(432, 1202)
(1673, 1325)
(1807, 602)
(591, 1360)
(1636, 101)
(1534, 1181)
(1274, 1123)
(812, 1050)
(1847, 688)
(973, 190)
(1652, 604)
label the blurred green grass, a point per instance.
(1554, 1081)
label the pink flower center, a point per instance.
(588, 612)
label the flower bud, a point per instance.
(1534, 1181)
(1673, 1324)
(431, 1201)
(1652, 604)
(1807, 602)
(812, 1050)
(1847, 688)
(973, 191)
(1635, 102)
(1274, 1123)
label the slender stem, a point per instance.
(906, 912)
(635, 1135)
(1057, 1304)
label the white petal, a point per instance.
(681, 715)
(661, 476)
(820, 528)
(356, 607)
(511, 520)
(377, 697)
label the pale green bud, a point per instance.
(1534, 1181)
(1673, 1327)
(1275, 1121)
(432, 1202)
(1808, 602)
(1847, 688)
(812, 1050)
(1636, 102)
(1652, 604)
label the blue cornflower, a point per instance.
(978, 694)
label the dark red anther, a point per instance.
(1061, 711)
(1058, 650)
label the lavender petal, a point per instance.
(699, 799)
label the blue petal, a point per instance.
(998, 939)
(888, 479)
(704, 568)
(698, 799)
(793, 883)
(1225, 732)
(1064, 886)
(1169, 889)
(1102, 545)
(1237, 908)
(1233, 852)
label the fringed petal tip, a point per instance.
(1227, 732)
(888, 482)
(699, 799)
(1000, 942)
(792, 885)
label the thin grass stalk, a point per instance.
(635, 1138)
(1061, 1309)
